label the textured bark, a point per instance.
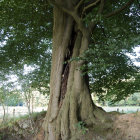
(70, 99)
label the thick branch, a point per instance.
(79, 4)
(119, 10)
(101, 7)
(66, 10)
(90, 5)
(72, 12)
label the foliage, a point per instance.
(14, 100)
(132, 100)
(82, 127)
(29, 35)
(26, 37)
(11, 121)
(26, 33)
(111, 74)
(14, 127)
(9, 98)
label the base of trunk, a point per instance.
(78, 119)
(67, 128)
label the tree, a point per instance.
(6, 98)
(2, 102)
(78, 25)
(70, 100)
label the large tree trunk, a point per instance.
(70, 101)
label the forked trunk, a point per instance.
(70, 102)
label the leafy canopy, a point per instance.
(26, 38)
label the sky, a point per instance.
(14, 78)
(137, 51)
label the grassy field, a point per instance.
(122, 109)
(20, 111)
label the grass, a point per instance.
(21, 127)
(122, 109)
(11, 121)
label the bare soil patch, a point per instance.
(123, 127)
(127, 126)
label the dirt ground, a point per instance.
(124, 127)
(127, 126)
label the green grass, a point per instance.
(11, 121)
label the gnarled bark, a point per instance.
(70, 101)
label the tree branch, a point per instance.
(93, 24)
(90, 5)
(79, 4)
(54, 3)
(101, 7)
(72, 12)
(119, 10)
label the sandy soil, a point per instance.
(127, 126)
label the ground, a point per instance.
(124, 127)
(22, 128)
(128, 126)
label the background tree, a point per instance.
(2, 102)
(6, 98)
